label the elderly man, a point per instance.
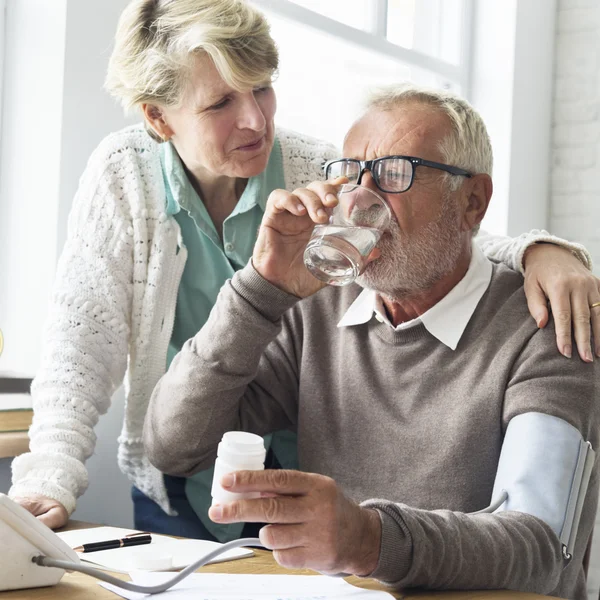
(420, 397)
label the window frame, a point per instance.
(376, 39)
(3, 9)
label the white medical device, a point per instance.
(32, 555)
(22, 537)
(545, 467)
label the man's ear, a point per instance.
(479, 190)
(156, 119)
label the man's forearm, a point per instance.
(200, 397)
(450, 550)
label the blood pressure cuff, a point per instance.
(545, 467)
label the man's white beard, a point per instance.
(411, 264)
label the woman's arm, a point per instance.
(85, 349)
(559, 272)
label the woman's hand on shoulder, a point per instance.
(554, 275)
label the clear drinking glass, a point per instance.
(337, 251)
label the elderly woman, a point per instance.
(164, 214)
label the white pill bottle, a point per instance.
(237, 451)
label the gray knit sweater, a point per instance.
(389, 414)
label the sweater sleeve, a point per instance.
(238, 373)
(510, 251)
(451, 550)
(86, 340)
(505, 550)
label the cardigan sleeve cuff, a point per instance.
(540, 236)
(41, 487)
(60, 477)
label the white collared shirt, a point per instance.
(446, 320)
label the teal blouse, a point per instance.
(210, 262)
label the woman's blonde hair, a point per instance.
(157, 41)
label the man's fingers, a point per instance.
(279, 509)
(282, 537)
(337, 181)
(301, 202)
(281, 201)
(304, 558)
(314, 205)
(580, 307)
(279, 481)
(327, 190)
(294, 558)
(537, 303)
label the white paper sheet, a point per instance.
(125, 560)
(218, 586)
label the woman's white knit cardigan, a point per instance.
(113, 307)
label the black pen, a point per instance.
(134, 540)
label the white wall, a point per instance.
(29, 172)
(575, 191)
(575, 167)
(513, 50)
(54, 114)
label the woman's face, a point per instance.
(218, 131)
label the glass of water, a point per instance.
(337, 251)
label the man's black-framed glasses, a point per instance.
(392, 174)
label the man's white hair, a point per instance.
(468, 146)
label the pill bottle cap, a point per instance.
(242, 447)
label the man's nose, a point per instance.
(365, 178)
(251, 116)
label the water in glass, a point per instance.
(337, 254)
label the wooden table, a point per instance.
(76, 586)
(15, 442)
